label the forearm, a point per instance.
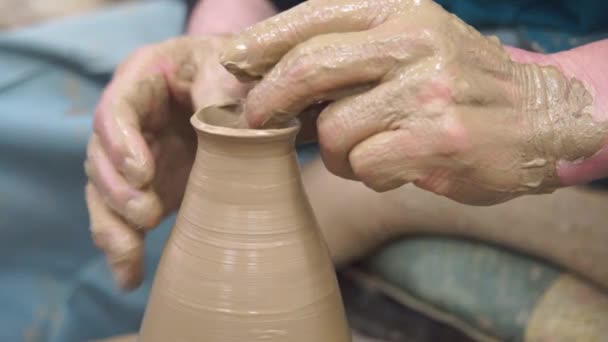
(211, 17)
(588, 65)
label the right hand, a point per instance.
(422, 98)
(142, 147)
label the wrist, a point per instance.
(581, 66)
(222, 17)
(588, 64)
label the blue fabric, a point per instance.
(575, 17)
(546, 25)
(582, 16)
(54, 285)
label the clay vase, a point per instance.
(246, 260)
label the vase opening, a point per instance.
(227, 121)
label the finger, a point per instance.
(390, 159)
(139, 96)
(122, 245)
(384, 162)
(121, 136)
(217, 88)
(347, 122)
(327, 65)
(140, 208)
(252, 53)
(480, 89)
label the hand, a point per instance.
(425, 99)
(141, 152)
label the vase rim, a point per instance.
(209, 120)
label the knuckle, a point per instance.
(329, 132)
(255, 105)
(370, 174)
(363, 167)
(119, 245)
(386, 185)
(436, 181)
(100, 239)
(127, 250)
(333, 127)
(331, 137)
(455, 137)
(377, 173)
(300, 67)
(99, 119)
(304, 61)
(145, 211)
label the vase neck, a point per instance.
(221, 131)
(245, 147)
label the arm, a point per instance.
(355, 220)
(211, 17)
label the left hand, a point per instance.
(445, 107)
(142, 147)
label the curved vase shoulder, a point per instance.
(245, 260)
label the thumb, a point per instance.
(216, 87)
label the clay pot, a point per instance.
(246, 260)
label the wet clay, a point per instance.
(450, 110)
(543, 226)
(246, 260)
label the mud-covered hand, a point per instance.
(444, 107)
(141, 152)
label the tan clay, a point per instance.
(246, 260)
(450, 110)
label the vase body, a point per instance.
(246, 260)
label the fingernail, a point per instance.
(234, 58)
(234, 52)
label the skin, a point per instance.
(142, 148)
(445, 107)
